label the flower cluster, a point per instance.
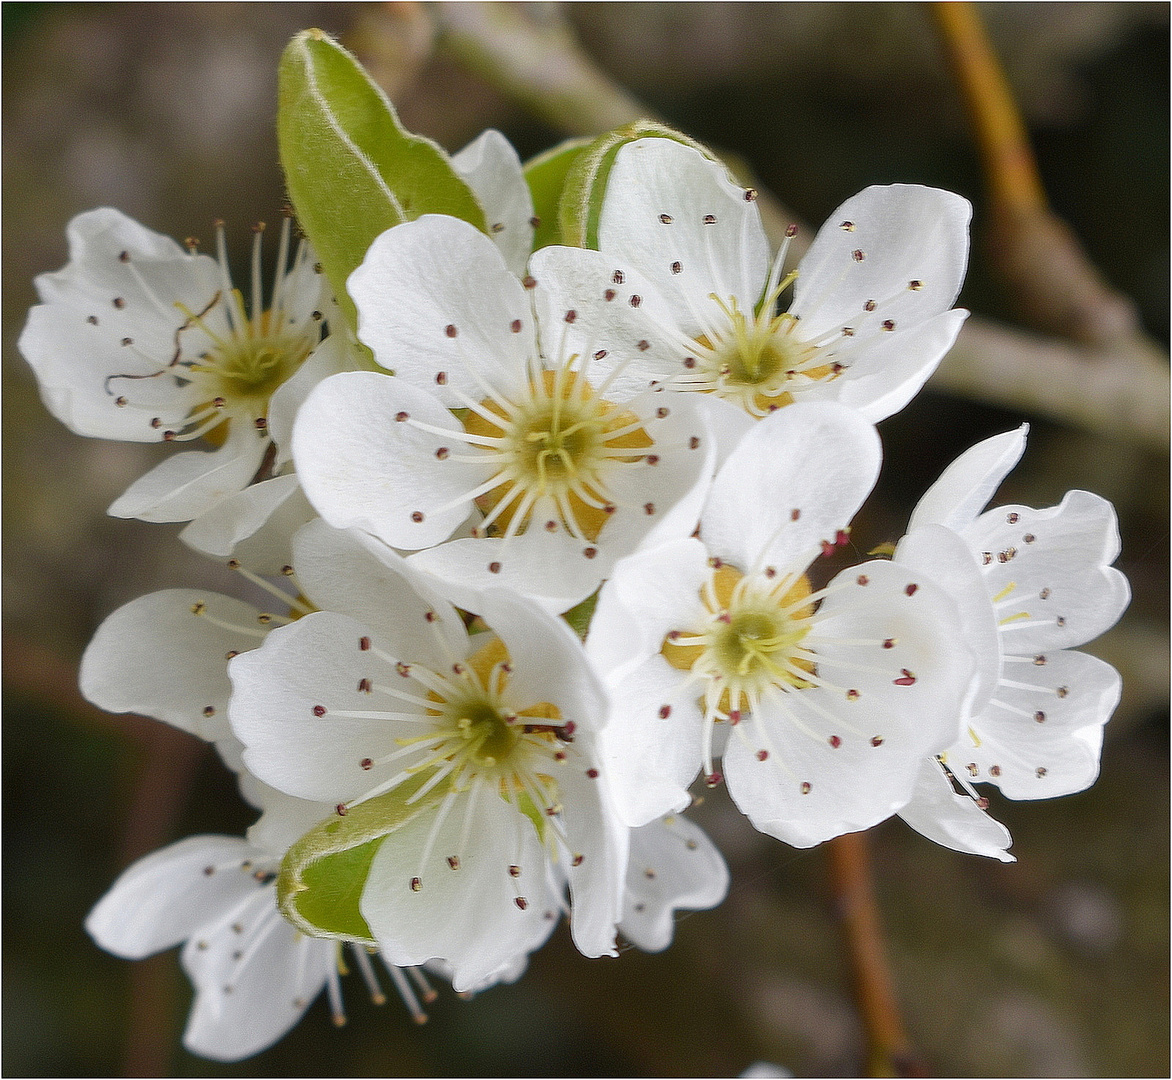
(541, 536)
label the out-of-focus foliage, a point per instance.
(1056, 965)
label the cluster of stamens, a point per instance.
(241, 358)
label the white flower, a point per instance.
(558, 479)
(682, 291)
(833, 695)
(138, 339)
(1030, 585)
(487, 751)
(673, 865)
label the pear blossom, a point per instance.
(488, 424)
(833, 695)
(486, 743)
(1030, 585)
(138, 338)
(682, 291)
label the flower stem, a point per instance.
(889, 1052)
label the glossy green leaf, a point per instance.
(322, 875)
(546, 177)
(351, 168)
(585, 184)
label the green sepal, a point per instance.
(580, 207)
(322, 875)
(580, 615)
(351, 169)
(546, 177)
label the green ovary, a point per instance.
(490, 738)
(254, 367)
(748, 644)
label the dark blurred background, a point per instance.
(1054, 966)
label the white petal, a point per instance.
(490, 167)
(711, 229)
(255, 525)
(793, 480)
(813, 763)
(155, 657)
(468, 917)
(360, 466)
(331, 357)
(317, 663)
(285, 819)
(168, 895)
(883, 375)
(75, 339)
(673, 865)
(649, 594)
(357, 576)
(186, 485)
(619, 320)
(905, 233)
(945, 557)
(255, 975)
(1047, 571)
(954, 821)
(967, 485)
(1042, 733)
(435, 298)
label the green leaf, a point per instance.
(585, 185)
(351, 168)
(546, 176)
(322, 875)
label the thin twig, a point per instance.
(889, 1051)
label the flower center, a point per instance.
(559, 444)
(750, 640)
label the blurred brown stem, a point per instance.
(1054, 283)
(889, 1052)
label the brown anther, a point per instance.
(261, 423)
(571, 315)
(498, 227)
(430, 616)
(858, 255)
(1040, 771)
(403, 670)
(1029, 538)
(494, 567)
(906, 678)
(994, 770)
(694, 442)
(915, 285)
(791, 231)
(551, 526)
(888, 324)
(454, 862)
(319, 710)
(401, 416)
(441, 378)
(709, 219)
(366, 763)
(1040, 717)
(876, 740)
(92, 320)
(364, 644)
(121, 402)
(805, 789)
(589, 552)
(442, 453)
(664, 712)
(762, 755)
(1039, 660)
(870, 305)
(635, 300)
(515, 326)
(862, 579)
(119, 303)
(713, 779)
(677, 267)
(982, 803)
(340, 809)
(209, 710)
(610, 294)
(416, 884)
(649, 508)
(852, 695)
(451, 330)
(592, 773)
(889, 643)
(665, 218)
(834, 741)
(1062, 691)
(521, 902)
(365, 686)
(911, 589)
(847, 226)
(643, 345)
(529, 282)
(416, 516)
